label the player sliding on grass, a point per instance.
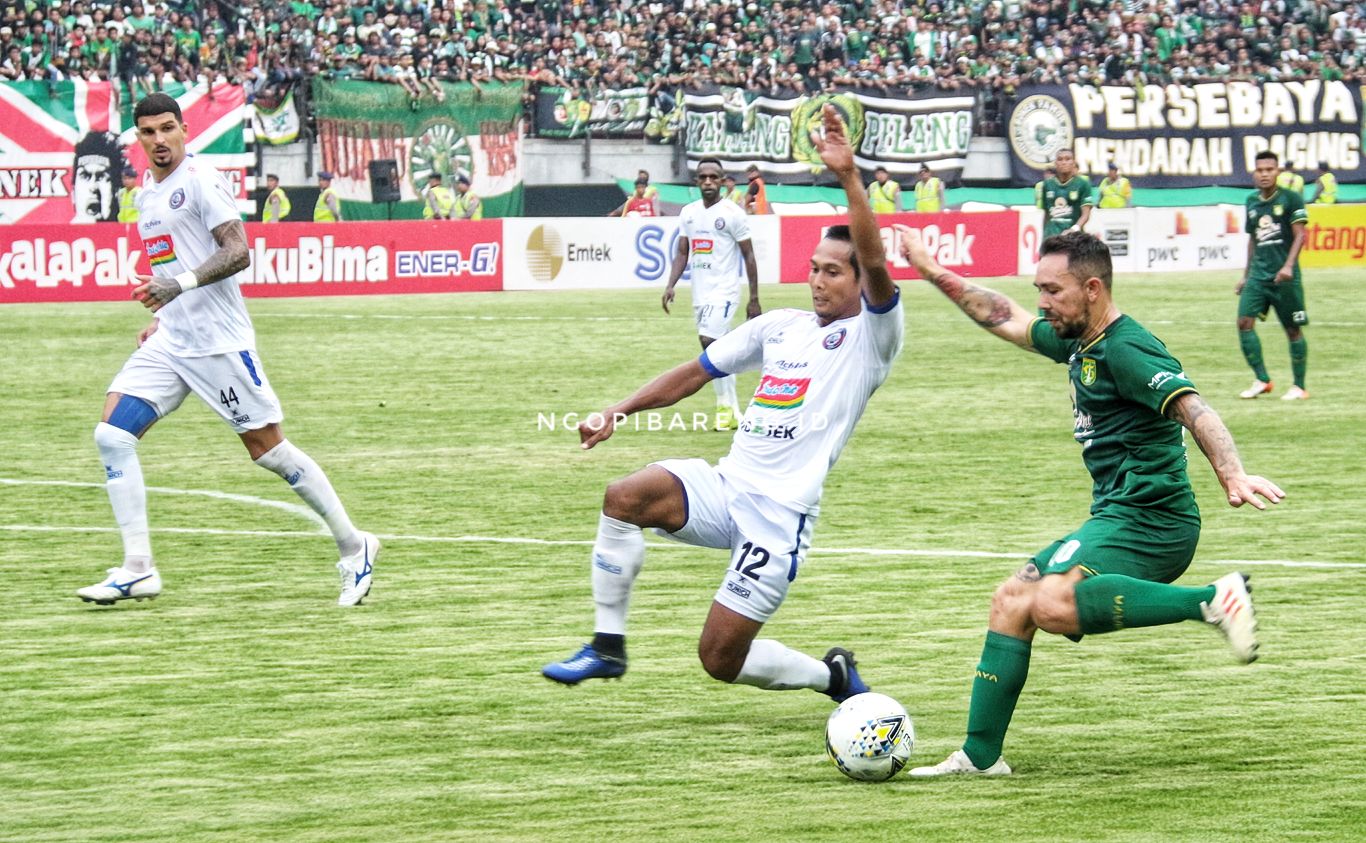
(1131, 400)
(760, 501)
(201, 341)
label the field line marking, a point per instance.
(830, 551)
(294, 508)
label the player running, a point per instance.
(713, 239)
(761, 500)
(200, 341)
(1130, 399)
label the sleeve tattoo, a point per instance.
(1209, 432)
(231, 257)
(985, 307)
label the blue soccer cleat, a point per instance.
(844, 678)
(587, 663)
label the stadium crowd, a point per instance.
(772, 46)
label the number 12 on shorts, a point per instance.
(759, 555)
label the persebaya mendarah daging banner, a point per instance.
(899, 132)
(1189, 135)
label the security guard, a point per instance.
(884, 195)
(1327, 183)
(1115, 190)
(328, 206)
(128, 197)
(277, 203)
(439, 201)
(929, 192)
(1291, 180)
(467, 205)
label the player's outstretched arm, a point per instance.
(664, 391)
(994, 311)
(837, 154)
(231, 257)
(1215, 441)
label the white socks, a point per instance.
(308, 480)
(127, 493)
(725, 391)
(773, 667)
(618, 554)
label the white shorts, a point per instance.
(714, 316)
(234, 384)
(767, 541)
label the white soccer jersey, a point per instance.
(176, 219)
(816, 381)
(714, 235)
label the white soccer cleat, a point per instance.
(122, 584)
(1295, 393)
(1259, 387)
(1231, 611)
(958, 764)
(356, 571)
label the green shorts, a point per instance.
(1135, 543)
(1287, 299)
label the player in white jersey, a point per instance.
(713, 242)
(200, 341)
(761, 501)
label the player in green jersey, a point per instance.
(1275, 225)
(1066, 198)
(1131, 400)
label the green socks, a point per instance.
(1252, 350)
(1299, 359)
(1111, 602)
(1000, 678)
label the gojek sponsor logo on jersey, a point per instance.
(314, 260)
(160, 250)
(47, 263)
(781, 393)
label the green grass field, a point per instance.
(244, 705)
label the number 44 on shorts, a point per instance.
(228, 397)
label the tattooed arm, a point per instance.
(230, 258)
(988, 308)
(1209, 432)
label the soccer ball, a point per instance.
(869, 737)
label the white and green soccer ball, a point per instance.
(869, 737)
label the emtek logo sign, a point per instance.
(547, 252)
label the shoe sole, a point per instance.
(101, 601)
(569, 684)
(1252, 653)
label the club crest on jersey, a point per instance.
(834, 340)
(781, 393)
(1088, 371)
(177, 198)
(720, 224)
(160, 250)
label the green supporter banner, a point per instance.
(898, 131)
(562, 113)
(475, 133)
(1196, 135)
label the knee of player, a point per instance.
(108, 436)
(719, 663)
(1012, 599)
(1055, 606)
(622, 500)
(1246, 324)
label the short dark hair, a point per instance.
(708, 160)
(158, 103)
(1266, 154)
(841, 233)
(1087, 255)
(272, 176)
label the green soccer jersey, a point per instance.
(1062, 203)
(1270, 222)
(1122, 383)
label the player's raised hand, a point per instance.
(668, 298)
(148, 331)
(913, 249)
(1246, 488)
(596, 428)
(832, 143)
(155, 293)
